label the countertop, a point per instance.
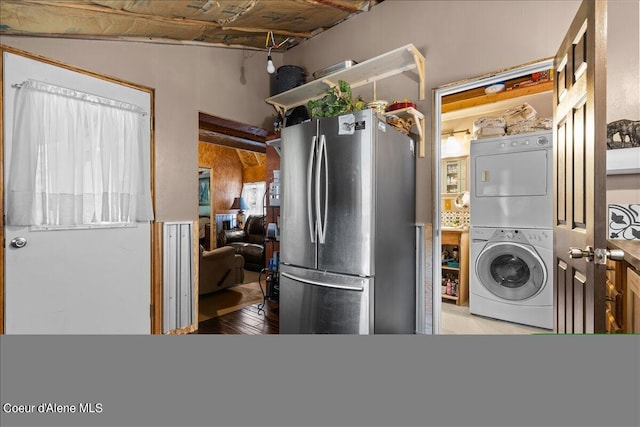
(631, 250)
(459, 229)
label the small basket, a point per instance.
(403, 125)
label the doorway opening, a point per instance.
(233, 175)
(456, 107)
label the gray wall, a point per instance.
(459, 39)
(623, 85)
(230, 83)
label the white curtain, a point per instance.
(254, 194)
(77, 159)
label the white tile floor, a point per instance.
(456, 320)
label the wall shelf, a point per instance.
(418, 118)
(388, 64)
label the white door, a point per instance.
(80, 281)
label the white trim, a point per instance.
(621, 161)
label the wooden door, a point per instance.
(580, 171)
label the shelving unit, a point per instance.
(454, 175)
(459, 238)
(272, 212)
(405, 58)
(417, 116)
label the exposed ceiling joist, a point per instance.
(233, 128)
(227, 23)
(231, 141)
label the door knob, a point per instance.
(601, 255)
(581, 253)
(19, 242)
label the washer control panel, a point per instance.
(534, 237)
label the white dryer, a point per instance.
(512, 181)
(510, 276)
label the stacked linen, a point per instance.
(487, 127)
(520, 119)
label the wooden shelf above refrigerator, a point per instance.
(405, 58)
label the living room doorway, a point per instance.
(234, 156)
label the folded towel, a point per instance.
(519, 114)
(488, 126)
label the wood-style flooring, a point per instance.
(455, 320)
(246, 321)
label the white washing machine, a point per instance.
(512, 181)
(510, 276)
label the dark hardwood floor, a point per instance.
(246, 321)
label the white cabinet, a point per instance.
(454, 175)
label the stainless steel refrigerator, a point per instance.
(347, 217)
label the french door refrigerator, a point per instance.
(347, 217)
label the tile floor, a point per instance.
(456, 320)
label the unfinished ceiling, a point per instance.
(225, 23)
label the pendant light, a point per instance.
(270, 67)
(452, 145)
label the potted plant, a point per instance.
(337, 100)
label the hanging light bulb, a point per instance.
(270, 67)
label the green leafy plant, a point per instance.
(337, 100)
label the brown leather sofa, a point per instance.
(248, 242)
(220, 268)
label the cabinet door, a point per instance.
(454, 175)
(632, 323)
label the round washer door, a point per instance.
(511, 271)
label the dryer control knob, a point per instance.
(509, 235)
(502, 145)
(542, 140)
(514, 144)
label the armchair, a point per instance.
(220, 268)
(248, 242)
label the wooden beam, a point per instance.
(340, 6)
(481, 98)
(233, 128)
(231, 141)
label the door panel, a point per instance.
(313, 302)
(349, 221)
(299, 144)
(80, 281)
(579, 171)
(512, 174)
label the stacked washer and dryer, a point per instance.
(511, 228)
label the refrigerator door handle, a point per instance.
(323, 284)
(312, 229)
(322, 219)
